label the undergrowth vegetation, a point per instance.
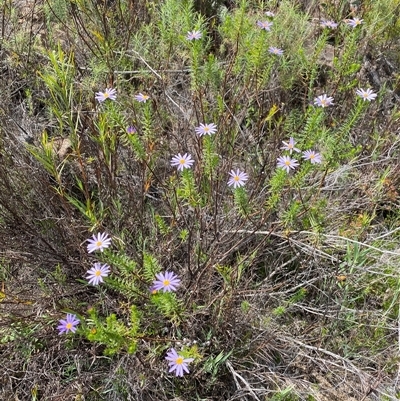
(199, 200)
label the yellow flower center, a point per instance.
(179, 361)
(323, 102)
(68, 326)
(206, 129)
(182, 161)
(99, 244)
(287, 162)
(166, 283)
(365, 94)
(290, 146)
(236, 178)
(97, 273)
(106, 94)
(312, 156)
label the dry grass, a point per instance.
(293, 299)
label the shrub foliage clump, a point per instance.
(235, 167)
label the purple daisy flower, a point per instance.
(182, 162)
(237, 178)
(313, 156)
(287, 163)
(109, 93)
(96, 273)
(366, 95)
(275, 50)
(99, 242)
(177, 363)
(323, 101)
(69, 324)
(265, 25)
(167, 282)
(328, 24)
(290, 146)
(194, 35)
(206, 129)
(131, 130)
(152, 289)
(142, 98)
(354, 22)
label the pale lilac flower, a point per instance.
(290, 146)
(69, 324)
(142, 98)
(313, 156)
(323, 101)
(206, 129)
(167, 282)
(193, 35)
(287, 163)
(101, 242)
(182, 162)
(328, 24)
(366, 95)
(152, 289)
(265, 25)
(354, 22)
(109, 93)
(97, 272)
(131, 130)
(269, 14)
(237, 178)
(275, 50)
(177, 363)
